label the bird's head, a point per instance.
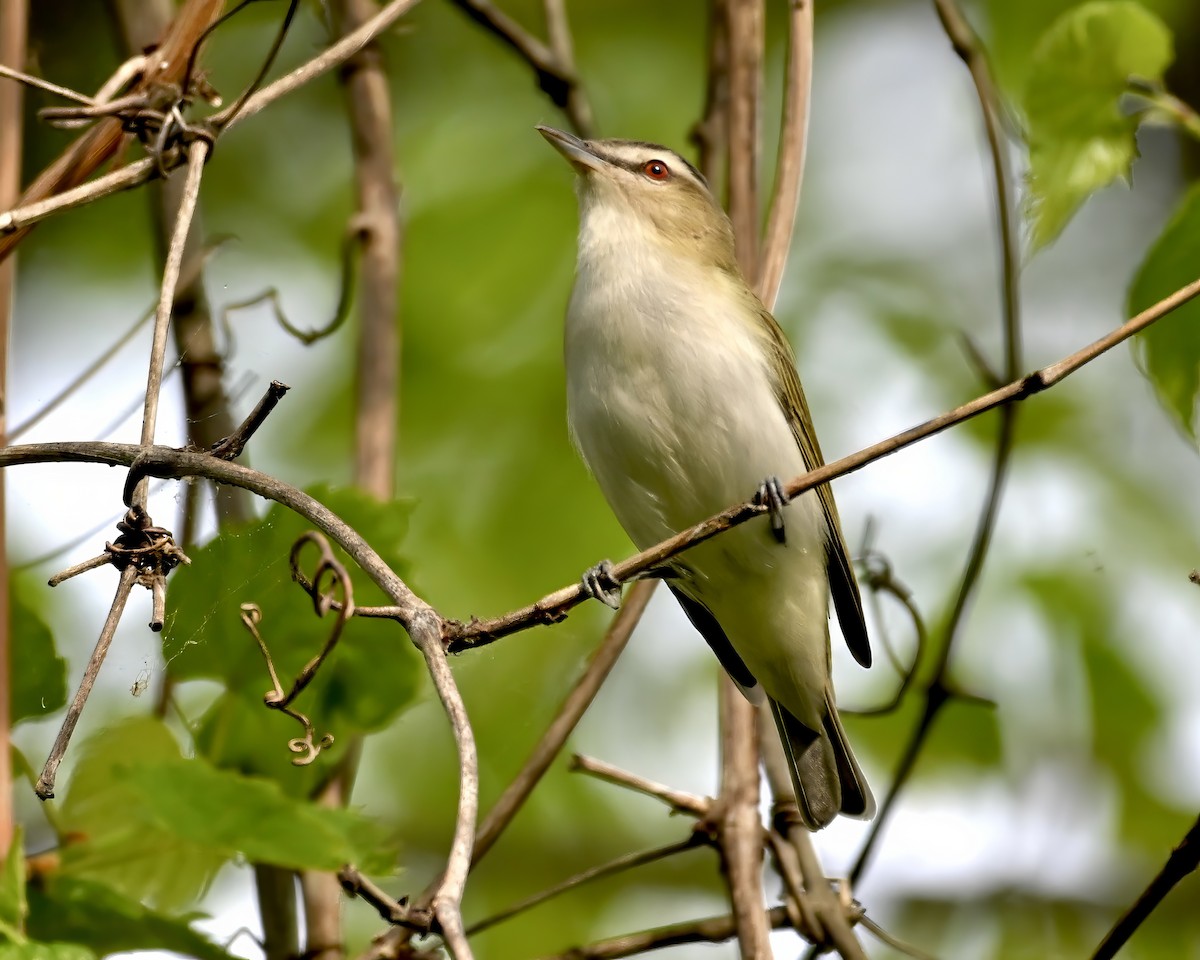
(642, 189)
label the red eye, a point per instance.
(656, 170)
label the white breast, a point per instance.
(671, 404)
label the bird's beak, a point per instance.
(577, 152)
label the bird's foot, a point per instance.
(771, 496)
(600, 584)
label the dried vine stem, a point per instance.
(793, 141)
(553, 64)
(102, 141)
(140, 171)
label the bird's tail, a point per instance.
(824, 772)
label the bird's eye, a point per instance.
(656, 170)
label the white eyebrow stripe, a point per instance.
(634, 154)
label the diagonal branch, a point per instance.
(552, 607)
(552, 64)
(1184, 860)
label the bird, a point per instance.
(683, 398)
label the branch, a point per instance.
(140, 171)
(554, 606)
(197, 154)
(710, 930)
(677, 800)
(45, 782)
(1184, 860)
(553, 67)
(569, 714)
(793, 139)
(619, 865)
(14, 30)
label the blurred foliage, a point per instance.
(497, 510)
(1079, 138)
(1170, 350)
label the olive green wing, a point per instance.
(846, 599)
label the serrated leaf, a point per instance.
(157, 825)
(1169, 350)
(39, 673)
(1079, 138)
(371, 675)
(117, 848)
(108, 921)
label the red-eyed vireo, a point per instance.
(683, 398)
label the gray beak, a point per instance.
(577, 152)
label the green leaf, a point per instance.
(1169, 350)
(371, 675)
(1079, 138)
(157, 825)
(39, 673)
(108, 921)
(45, 951)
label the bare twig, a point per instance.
(134, 174)
(569, 714)
(739, 828)
(578, 109)
(162, 72)
(880, 579)
(745, 23)
(793, 139)
(378, 231)
(45, 782)
(619, 865)
(710, 930)
(231, 447)
(555, 75)
(1184, 860)
(14, 27)
(677, 800)
(31, 81)
(197, 155)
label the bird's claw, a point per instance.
(771, 496)
(600, 584)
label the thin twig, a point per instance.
(14, 31)
(1184, 860)
(555, 76)
(619, 865)
(678, 800)
(569, 714)
(187, 277)
(793, 140)
(709, 930)
(29, 80)
(737, 821)
(136, 173)
(900, 946)
(578, 109)
(231, 447)
(745, 21)
(197, 154)
(45, 782)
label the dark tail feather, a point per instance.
(824, 772)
